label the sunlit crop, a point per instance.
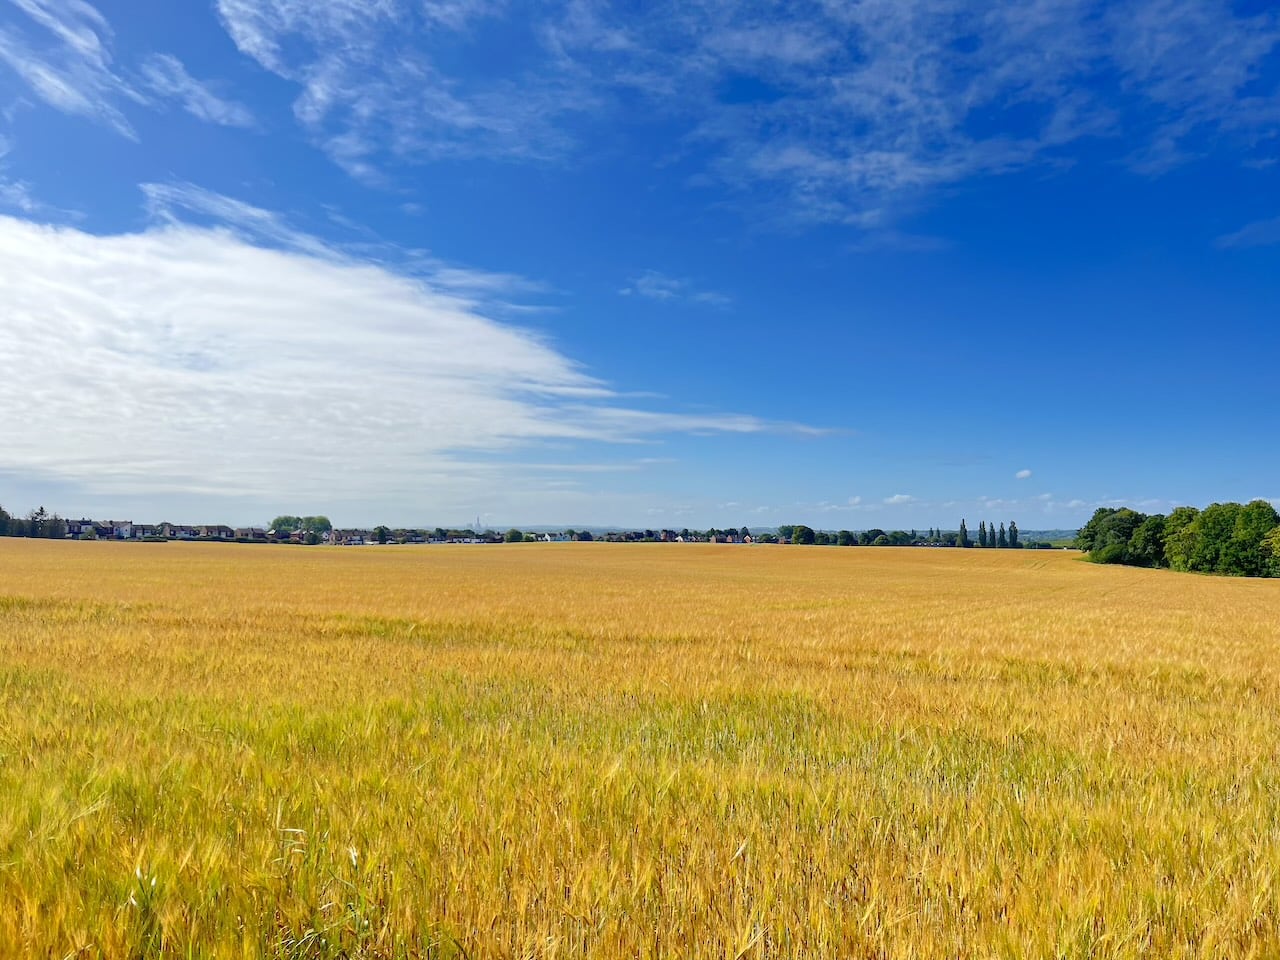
(590, 750)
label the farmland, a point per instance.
(634, 750)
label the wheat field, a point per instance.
(593, 750)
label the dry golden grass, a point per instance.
(618, 751)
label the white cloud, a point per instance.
(187, 359)
(1022, 475)
(73, 74)
(67, 62)
(658, 286)
(14, 194)
(167, 77)
(1260, 233)
(849, 112)
(370, 89)
(899, 499)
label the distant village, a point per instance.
(317, 531)
(86, 529)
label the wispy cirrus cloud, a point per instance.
(168, 78)
(67, 61)
(62, 50)
(199, 359)
(1259, 233)
(829, 111)
(14, 194)
(371, 89)
(654, 285)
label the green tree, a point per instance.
(5, 520)
(1013, 536)
(381, 533)
(1113, 533)
(36, 521)
(803, 535)
(1087, 536)
(845, 538)
(514, 536)
(318, 525)
(1002, 539)
(962, 538)
(286, 524)
(1179, 537)
(1271, 553)
(1207, 537)
(1243, 555)
(785, 533)
(1146, 546)
(982, 533)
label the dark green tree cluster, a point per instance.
(1238, 540)
(875, 537)
(989, 537)
(38, 523)
(288, 524)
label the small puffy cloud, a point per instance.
(899, 499)
(855, 501)
(1023, 475)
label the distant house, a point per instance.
(250, 533)
(178, 531)
(143, 530)
(77, 528)
(215, 531)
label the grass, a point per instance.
(635, 750)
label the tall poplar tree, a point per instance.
(1001, 541)
(1013, 535)
(982, 533)
(962, 538)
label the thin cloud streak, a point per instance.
(1260, 233)
(653, 285)
(168, 78)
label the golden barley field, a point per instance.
(593, 750)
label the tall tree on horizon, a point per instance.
(982, 533)
(962, 538)
(1013, 535)
(1001, 540)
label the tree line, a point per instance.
(1238, 540)
(987, 537)
(38, 523)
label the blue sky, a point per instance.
(888, 263)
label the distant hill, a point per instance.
(1048, 534)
